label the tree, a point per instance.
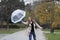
(48, 13)
(44, 12)
(8, 7)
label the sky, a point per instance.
(26, 1)
(29, 1)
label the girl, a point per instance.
(31, 26)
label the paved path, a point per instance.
(3, 35)
(22, 35)
(54, 32)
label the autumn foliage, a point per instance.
(48, 13)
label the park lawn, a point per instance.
(48, 30)
(52, 36)
(10, 31)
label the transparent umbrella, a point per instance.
(17, 15)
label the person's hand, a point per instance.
(41, 28)
(27, 31)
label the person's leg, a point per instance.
(34, 36)
(30, 36)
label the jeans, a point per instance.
(32, 34)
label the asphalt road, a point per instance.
(22, 35)
(3, 35)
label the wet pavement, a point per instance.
(22, 35)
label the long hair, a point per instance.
(30, 19)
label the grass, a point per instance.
(53, 36)
(10, 31)
(49, 30)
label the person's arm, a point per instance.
(26, 23)
(38, 25)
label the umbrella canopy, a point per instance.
(17, 15)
